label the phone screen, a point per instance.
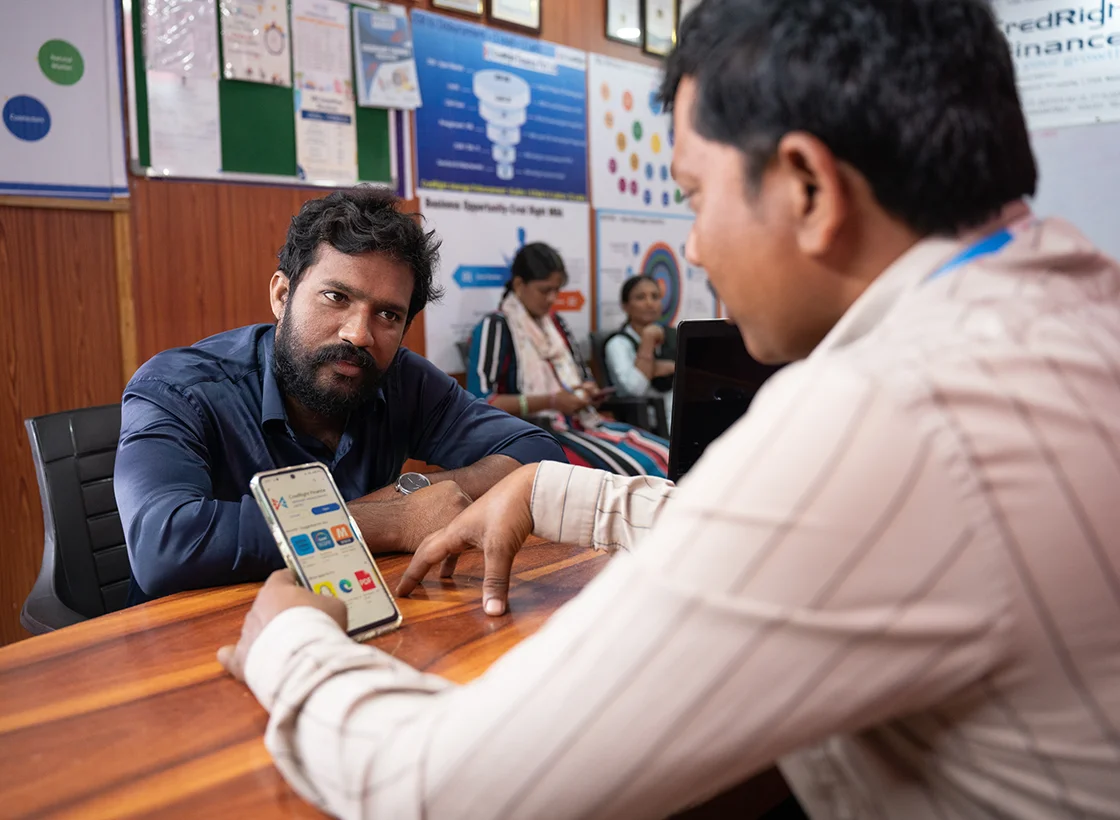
(313, 518)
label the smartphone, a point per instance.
(322, 545)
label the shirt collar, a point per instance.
(904, 275)
(272, 399)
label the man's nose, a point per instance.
(691, 252)
(355, 330)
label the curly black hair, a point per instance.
(360, 220)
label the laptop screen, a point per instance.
(716, 380)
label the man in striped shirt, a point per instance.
(898, 575)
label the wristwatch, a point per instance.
(409, 483)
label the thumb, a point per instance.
(227, 657)
(495, 581)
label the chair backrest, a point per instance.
(599, 339)
(85, 560)
(464, 348)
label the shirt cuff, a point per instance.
(564, 502)
(281, 639)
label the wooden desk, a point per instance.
(130, 714)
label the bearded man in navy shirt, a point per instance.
(329, 382)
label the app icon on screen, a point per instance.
(302, 545)
(365, 579)
(325, 588)
(322, 539)
(342, 534)
(345, 585)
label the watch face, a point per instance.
(411, 482)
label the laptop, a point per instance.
(716, 380)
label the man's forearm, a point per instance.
(480, 476)
(592, 508)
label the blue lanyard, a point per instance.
(985, 247)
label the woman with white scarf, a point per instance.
(523, 361)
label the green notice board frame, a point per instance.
(257, 123)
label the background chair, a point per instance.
(85, 570)
(647, 412)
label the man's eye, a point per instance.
(335, 296)
(390, 315)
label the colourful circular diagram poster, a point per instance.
(631, 141)
(632, 244)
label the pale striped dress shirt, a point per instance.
(899, 576)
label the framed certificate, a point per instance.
(685, 6)
(524, 14)
(624, 21)
(471, 7)
(659, 18)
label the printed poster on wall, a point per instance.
(1067, 59)
(631, 139)
(256, 42)
(503, 114)
(61, 127)
(386, 69)
(326, 134)
(481, 235)
(184, 133)
(181, 37)
(631, 244)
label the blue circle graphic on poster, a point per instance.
(27, 118)
(661, 265)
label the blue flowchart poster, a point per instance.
(503, 114)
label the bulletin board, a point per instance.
(257, 124)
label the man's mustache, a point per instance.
(347, 354)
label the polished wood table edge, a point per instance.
(114, 625)
(130, 714)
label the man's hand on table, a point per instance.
(498, 524)
(392, 522)
(280, 592)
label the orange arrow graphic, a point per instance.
(569, 300)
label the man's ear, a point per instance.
(818, 195)
(279, 289)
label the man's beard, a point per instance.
(299, 374)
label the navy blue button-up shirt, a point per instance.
(198, 422)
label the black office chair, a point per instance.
(634, 410)
(85, 570)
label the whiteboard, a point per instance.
(62, 132)
(1079, 180)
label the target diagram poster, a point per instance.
(502, 114)
(631, 139)
(631, 244)
(481, 234)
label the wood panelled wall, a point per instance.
(60, 347)
(201, 258)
